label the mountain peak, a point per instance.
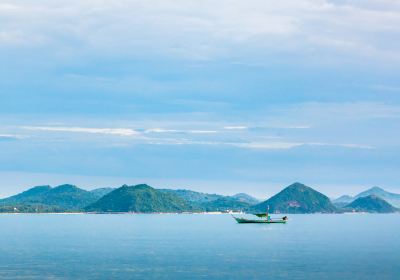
(298, 198)
(139, 198)
(142, 186)
(377, 189)
(65, 188)
(297, 185)
(138, 186)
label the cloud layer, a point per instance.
(203, 30)
(255, 91)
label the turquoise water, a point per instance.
(49, 246)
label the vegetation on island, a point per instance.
(140, 198)
(371, 204)
(214, 202)
(296, 198)
(63, 198)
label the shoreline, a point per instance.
(183, 213)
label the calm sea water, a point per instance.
(198, 247)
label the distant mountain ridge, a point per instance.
(193, 196)
(244, 197)
(392, 198)
(296, 198)
(372, 204)
(61, 198)
(214, 202)
(69, 198)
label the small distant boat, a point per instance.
(265, 219)
(260, 221)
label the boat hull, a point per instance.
(247, 221)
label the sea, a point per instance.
(198, 246)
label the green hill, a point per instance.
(372, 204)
(297, 198)
(140, 198)
(46, 199)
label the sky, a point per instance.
(217, 96)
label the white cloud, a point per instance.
(109, 131)
(10, 137)
(203, 131)
(290, 145)
(268, 126)
(267, 145)
(354, 146)
(160, 130)
(237, 137)
(238, 127)
(189, 131)
(288, 126)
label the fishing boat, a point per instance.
(265, 219)
(260, 221)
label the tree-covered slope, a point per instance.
(46, 199)
(140, 198)
(297, 198)
(193, 196)
(225, 203)
(32, 194)
(213, 202)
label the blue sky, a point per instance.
(220, 97)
